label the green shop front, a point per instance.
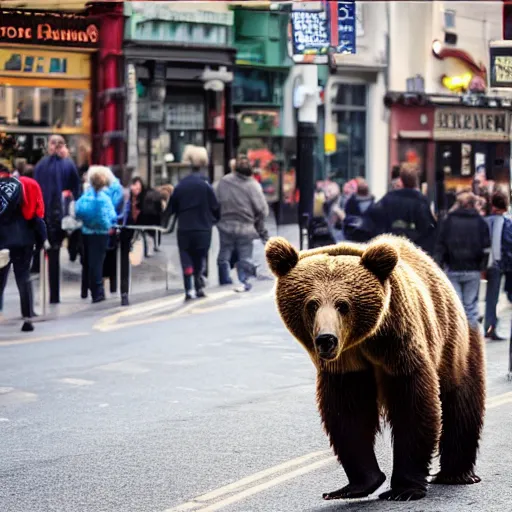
(179, 75)
(262, 68)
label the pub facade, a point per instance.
(451, 139)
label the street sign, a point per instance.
(500, 76)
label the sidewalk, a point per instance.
(148, 279)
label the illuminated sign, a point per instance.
(52, 29)
(501, 66)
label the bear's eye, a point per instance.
(312, 308)
(342, 307)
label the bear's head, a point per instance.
(334, 297)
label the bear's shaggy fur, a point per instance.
(386, 333)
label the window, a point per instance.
(349, 160)
(449, 19)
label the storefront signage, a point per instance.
(501, 67)
(48, 29)
(472, 124)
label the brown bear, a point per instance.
(386, 333)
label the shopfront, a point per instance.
(451, 141)
(181, 66)
(262, 68)
(45, 81)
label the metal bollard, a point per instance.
(118, 264)
(43, 281)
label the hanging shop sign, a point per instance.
(472, 124)
(501, 65)
(48, 29)
(316, 34)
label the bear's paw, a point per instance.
(281, 256)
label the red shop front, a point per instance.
(450, 138)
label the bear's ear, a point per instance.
(281, 256)
(380, 259)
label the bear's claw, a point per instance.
(468, 478)
(353, 491)
(403, 494)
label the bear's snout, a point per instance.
(327, 346)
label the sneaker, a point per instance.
(492, 335)
(244, 287)
(124, 300)
(27, 326)
(200, 293)
(188, 297)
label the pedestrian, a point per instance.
(96, 211)
(461, 249)
(243, 212)
(196, 210)
(406, 212)
(496, 222)
(396, 182)
(115, 191)
(357, 226)
(20, 223)
(57, 177)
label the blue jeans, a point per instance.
(492, 296)
(229, 243)
(467, 286)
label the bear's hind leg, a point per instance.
(463, 413)
(414, 411)
(348, 406)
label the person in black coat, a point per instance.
(461, 248)
(406, 212)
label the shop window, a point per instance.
(257, 86)
(37, 106)
(349, 160)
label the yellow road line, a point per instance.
(204, 503)
(108, 324)
(221, 491)
(23, 341)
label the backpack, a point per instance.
(11, 195)
(359, 228)
(506, 246)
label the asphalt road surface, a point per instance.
(205, 407)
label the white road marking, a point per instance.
(54, 337)
(77, 382)
(4, 420)
(124, 367)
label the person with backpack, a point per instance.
(96, 210)
(21, 227)
(461, 249)
(500, 231)
(357, 225)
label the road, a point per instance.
(160, 407)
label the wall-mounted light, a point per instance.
(437, 46)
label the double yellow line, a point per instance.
(276, 475)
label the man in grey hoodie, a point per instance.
(243, 209)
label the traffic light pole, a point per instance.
(306, 142)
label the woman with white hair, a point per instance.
(195, 206)
(96, 211)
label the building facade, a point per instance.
(46, 82)
(442, 116)
(179, 63)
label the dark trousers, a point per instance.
(125, 242)
(55, 239)
(20, 261)
(492, 296)
(193, 247)
(95, 249)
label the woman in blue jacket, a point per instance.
(98, 215)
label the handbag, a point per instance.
(137, 250)
(5, 258)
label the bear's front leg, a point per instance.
(348, 406)
(414, 412)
